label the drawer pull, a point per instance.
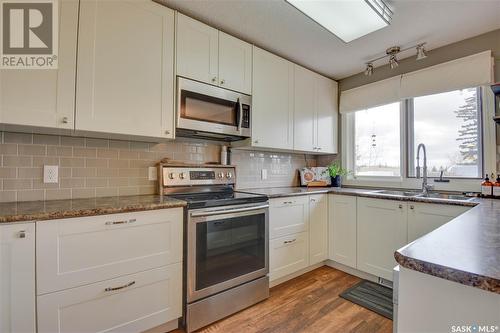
(287, 202)
(120, 222)
(290, 241)
(22, 234)
(120, 287)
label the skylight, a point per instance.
(347, 19)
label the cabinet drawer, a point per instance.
(77, 251)
(288, 216)
(141, 301)
(288, 254)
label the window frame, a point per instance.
(488, 148)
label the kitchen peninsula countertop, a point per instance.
(465, 250)
(57, 209)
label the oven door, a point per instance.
(205, 108)
(227, 246)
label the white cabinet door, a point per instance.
(304, 110)
(342, 229)
(125, 82)
(272, 101)
(326, 115)
(318, 228)
(139, 302)
(288, 216)
(77, 251)
(382, 229)
(197, 48)
(40, 97)
(235, 64)
(425, 217)
(17, 278)
(288, 254)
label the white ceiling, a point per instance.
(280, 28)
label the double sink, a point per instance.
(418, 194)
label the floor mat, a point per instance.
(372, 296)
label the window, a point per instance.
(449, 126)
(377, 141)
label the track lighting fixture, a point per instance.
(369, 69)
(421, 54)
(392, 53)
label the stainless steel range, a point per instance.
(226, 245)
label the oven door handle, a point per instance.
(228, 211)
(240, 117)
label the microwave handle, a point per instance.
(240, 117)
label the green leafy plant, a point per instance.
(335, 170)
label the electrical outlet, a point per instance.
(152, 173)
(50, 174)
(263, 174)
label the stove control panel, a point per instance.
(203, 175)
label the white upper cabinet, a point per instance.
(211, 56)
(197, 50)
(304, 110)
(125, 82)
(17, 278)
(44, 97)
(326, 115)
(315, 112)
(272, 101)
(235, 64)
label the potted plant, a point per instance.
(336, 173)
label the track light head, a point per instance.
(421, 53)
(369, 69)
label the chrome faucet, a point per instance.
(425, 187)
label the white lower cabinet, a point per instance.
(288, 216)
(382, 229)
(318, 228)
(109, 273)
(425, 217)
(288, 254)
(342, 214)
(17, 278)
(131, 303)
(298, 233)
(77, 251)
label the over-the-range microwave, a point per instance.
(210, 112)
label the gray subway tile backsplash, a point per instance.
(98, 167)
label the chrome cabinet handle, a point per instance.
(240, 115)
(167, 132)
(256, 141)
(120, 222)
(412, 207)
(290, 241)
(222, 81)
(313, 200)
(214, 79)
(22, 234)
(227, 211)
(65, 120)
(120, 287)
(401, 206)
(287, 202)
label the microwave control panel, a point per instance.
(245, 122)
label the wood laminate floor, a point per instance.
(308, 303)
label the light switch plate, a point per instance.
(50, 174)
(152, 173)
(263, 174)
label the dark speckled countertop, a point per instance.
(465, 250)
(57, 209)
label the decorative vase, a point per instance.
(336, 181)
